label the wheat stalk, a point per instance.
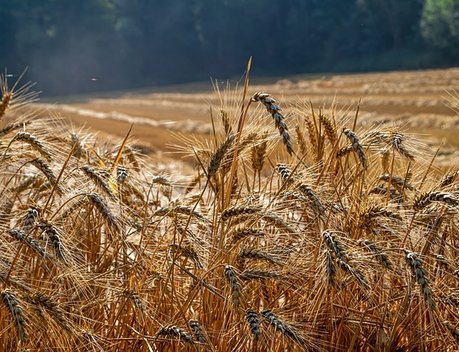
(277, 116)
(32, 243)
(283, 327)
(382, 258)
(329, 128)
(235, 287)
(175, 331)
(52, 307)
(99, 179)
(33, 141)
(244, 233)
(198, 331)
(218, 156)
(104, 210)
(356, 146)
(420, 275)
(425, 199)
(232, 212)
(55, 239)
(254, 322)
(17, 313)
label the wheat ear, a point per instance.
(254, 322)
(175, 331)
(356, 146)
(17, 313)
(278, 118)
(420, 275)
(235, 287)
(198, 331)
(283, 327)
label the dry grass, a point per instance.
(275, 244)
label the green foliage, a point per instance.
(396, 20)
(440, 25)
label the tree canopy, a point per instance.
(440, 25)
(77, 46)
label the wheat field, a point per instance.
(289, 227)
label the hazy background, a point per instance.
(81, 46)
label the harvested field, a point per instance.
(420, 102)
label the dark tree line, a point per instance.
(76, 46)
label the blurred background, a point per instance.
(84, 46)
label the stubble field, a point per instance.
(419, 102)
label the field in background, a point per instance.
(419, 101)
